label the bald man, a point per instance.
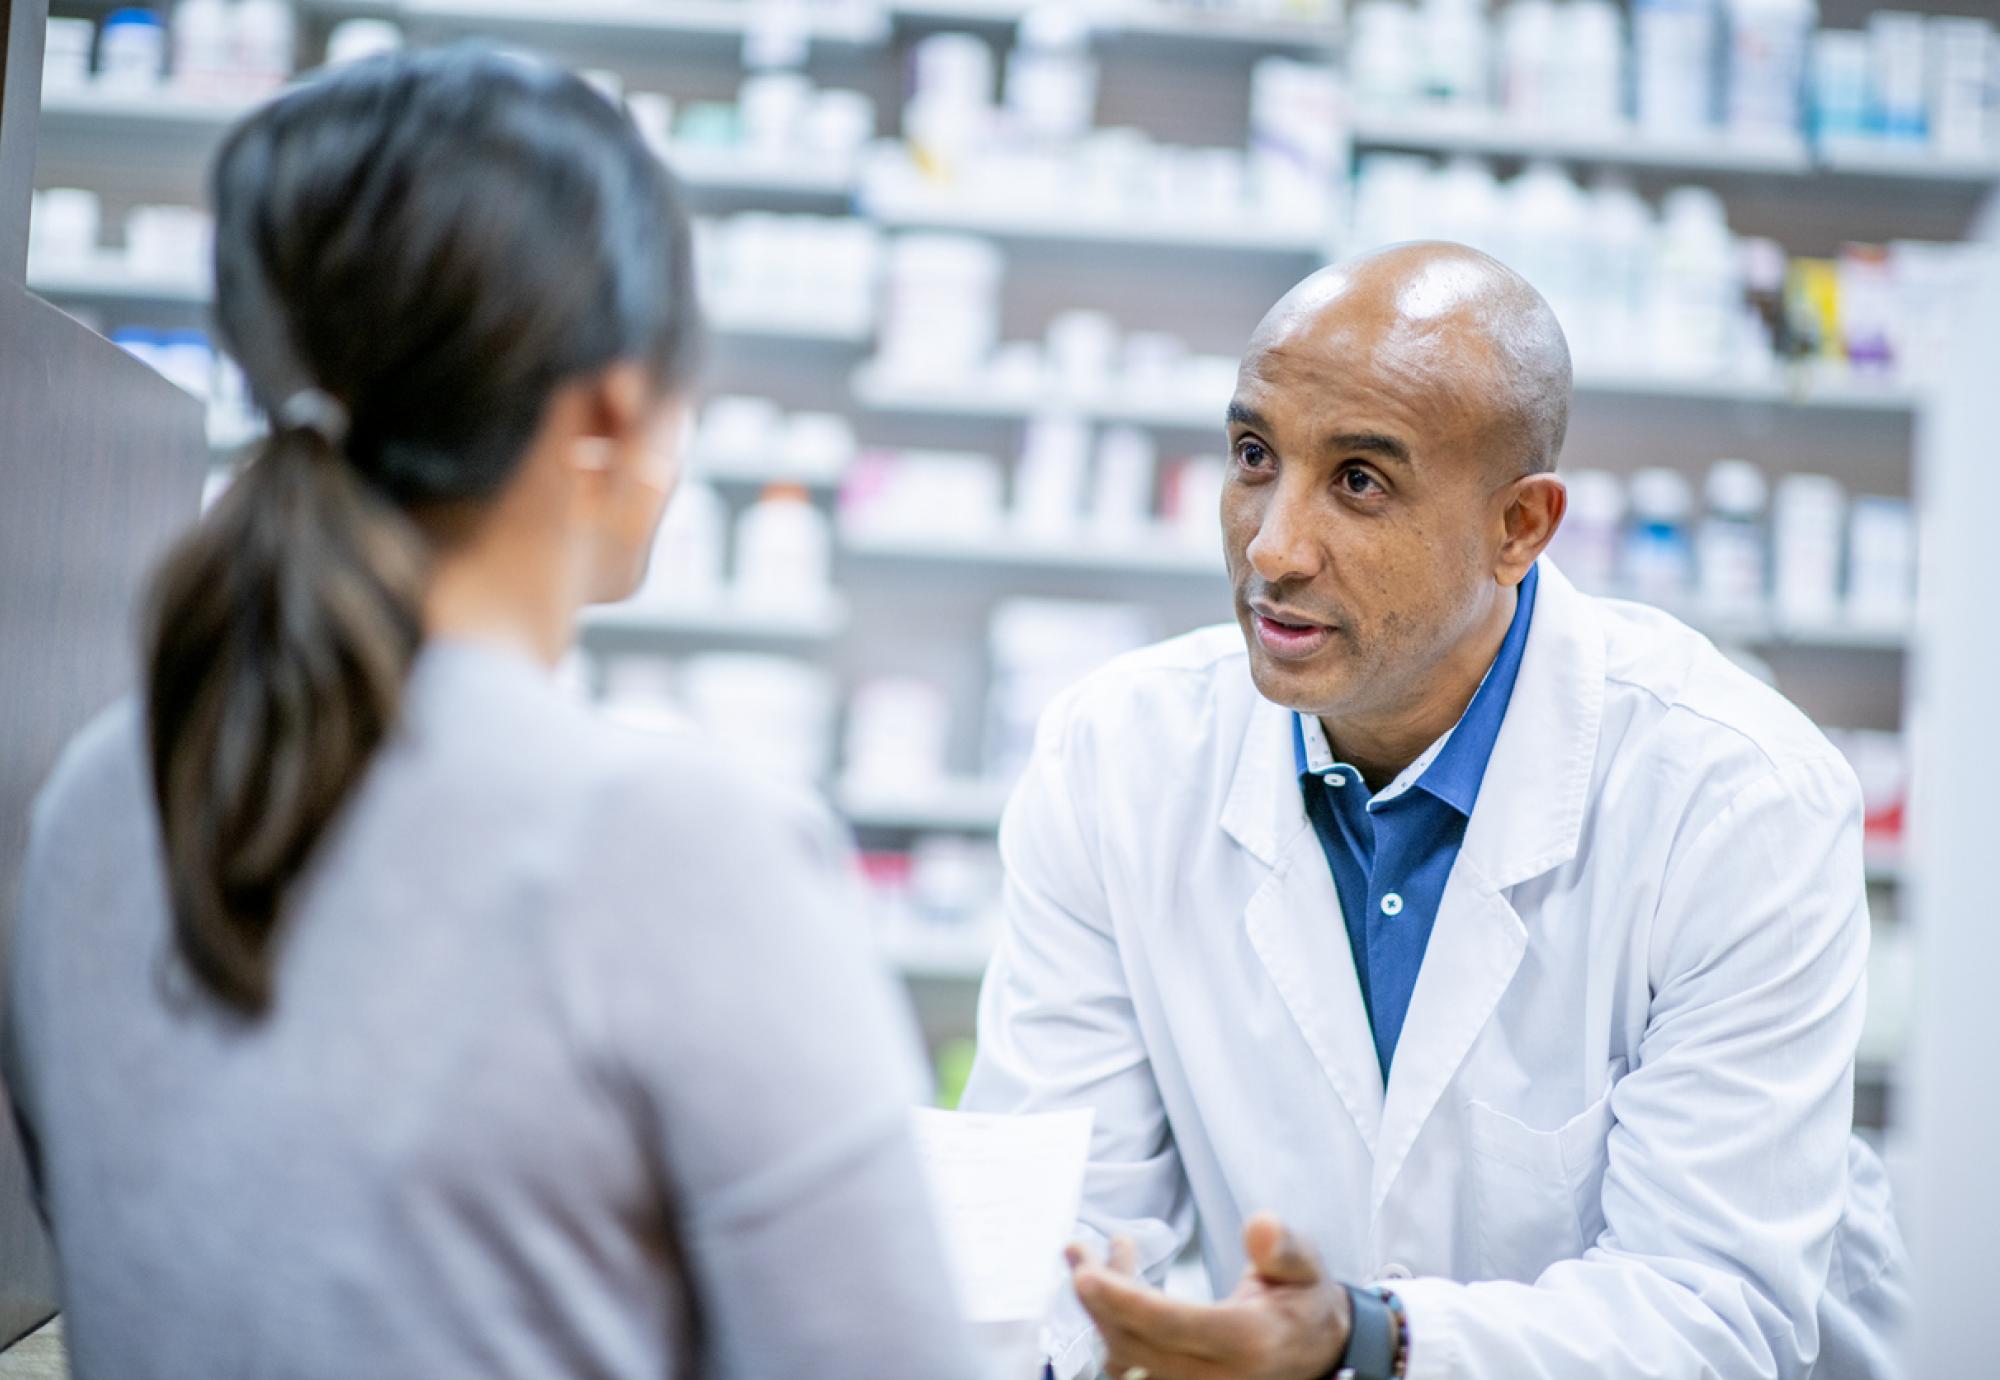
(1472, 966)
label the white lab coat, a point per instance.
(1616, 1141)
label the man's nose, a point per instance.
(1286, 547)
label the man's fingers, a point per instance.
(1124, 1256)
(1123, 1305)
(1277, 1254)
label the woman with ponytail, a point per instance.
(374, 1010)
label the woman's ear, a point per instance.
(612, 414)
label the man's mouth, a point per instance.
(1288, 636)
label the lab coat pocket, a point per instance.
(1539, 1194)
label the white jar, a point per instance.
(66, 54)
(1697, 294)
(687, 558)
(1589, 67)
(1546, 219)
(1659, 557)
(266, 44)
(131, 51)
(1384, 56)
(1587, 544)
(1121, 507)
(64, 226)
(1051, 77)
(1457, 48)
(1620, 268)
(1529, 56)
(201, 48)
(1732, 556)
(1807, 517)
(353, 40)
(1768, 44)
(1674, 48)
(784, 550)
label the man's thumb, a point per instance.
(1277, 1255)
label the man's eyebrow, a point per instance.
(1241, 414)
(1370, 443)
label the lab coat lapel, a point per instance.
(1527, 820)
(1293, 918)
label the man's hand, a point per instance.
(1285, 1321)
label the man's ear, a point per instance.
(1535, 505)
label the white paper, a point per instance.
(1006, 1191)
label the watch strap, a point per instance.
(1371, 1338)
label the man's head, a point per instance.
(1392, 444)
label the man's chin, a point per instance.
(1310, 687)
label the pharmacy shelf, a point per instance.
(728, 617)
(956, 805)
(756, 471)
(805, 327)
(1079, 225)
(1765, 628)
(877, 395)
(1882, 158)
(1811, 392)
(1137, 19)
(1484, 132)
(851, 24)
(108, 280)
(1163, 556)
(162, 113)
(189, 129)
(714, 168)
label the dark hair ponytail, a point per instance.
(421, 249)
(284, 629)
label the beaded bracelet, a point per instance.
(1402, 1332)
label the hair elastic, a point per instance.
(317, 411)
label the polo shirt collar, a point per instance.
(1451, 768)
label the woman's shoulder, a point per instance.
(100, 776)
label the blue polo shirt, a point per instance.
(1391, 853)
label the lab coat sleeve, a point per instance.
(1727, 1158)
(1057, 1027)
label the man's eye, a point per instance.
(1357, 481)
(1252, 456)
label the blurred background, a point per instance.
(979, 272)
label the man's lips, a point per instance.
(1287, 635)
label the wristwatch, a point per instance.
(1372, 1338)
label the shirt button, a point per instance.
(1395, 1269)
(1392, 904)
(1334, 778)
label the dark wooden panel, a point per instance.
(101, 461)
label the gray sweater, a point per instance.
(579, 1066)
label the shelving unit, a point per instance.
(1160, 555)
(729, 617)
(750, 471)
(921, 604)
(965, 805)
(1134, 19)
(109, 280)
(1205, 415)
(1085, 225)
(854, 25)
(1482, 132)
